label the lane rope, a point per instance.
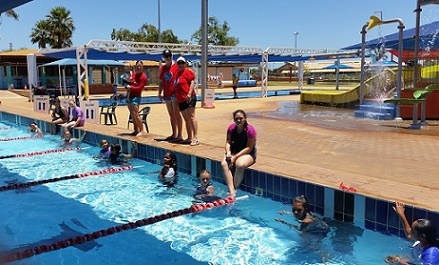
(52, 151)
(20, 138)
(9, 257)
(17, 186)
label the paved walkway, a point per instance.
(322, 145)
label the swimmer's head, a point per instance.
(300, 207)
(170, 159)
(104, 144)
(205, 177)
(67, 135)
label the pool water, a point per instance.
(242, 233)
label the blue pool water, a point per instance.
(242, 233)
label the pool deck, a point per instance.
(381, 159)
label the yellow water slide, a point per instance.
(385, 81)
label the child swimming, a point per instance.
(168, 173)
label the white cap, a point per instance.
(181, 59)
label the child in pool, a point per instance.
(308, 222)
(35, 130)
(105, 151)
(69, 140)
(205, 190)
(117, 157)
(168, 173)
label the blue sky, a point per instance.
(331, 24)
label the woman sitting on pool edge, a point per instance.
(168, 173)
(240, 149)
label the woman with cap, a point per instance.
(134, 94)
(184, 85)
(167, 93)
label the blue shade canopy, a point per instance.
(340, 66)
(428, 39)
(97, 54)
(6, 5)
(72, 61)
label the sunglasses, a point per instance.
(205, 178)
(180, 63)
(238, 119)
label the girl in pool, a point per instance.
(423, 233)
(308, 222)
(168, 173)
(35, 130)
(205, 189)
(105, 151)
(116, 157)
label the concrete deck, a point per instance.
(381, 159)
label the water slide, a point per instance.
(341, 97)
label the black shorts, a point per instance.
(186, 105)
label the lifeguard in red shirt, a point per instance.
(134, 95)
(184, 85)
(167, 93)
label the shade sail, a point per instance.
(428, 39)
(72, 61)
(97, 54)
(6, 5)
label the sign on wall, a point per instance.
(41, 104)
(91, 110)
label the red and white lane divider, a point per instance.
(20, 138)
(9, 257)
(17, 186)
(37, 153)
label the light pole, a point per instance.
(295, 41)
(295, 50)
(158, 22)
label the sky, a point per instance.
(330, 24)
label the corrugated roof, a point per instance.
(19, 52)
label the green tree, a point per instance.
(61, 27)
(41, 33)
(146, 33)
(217, 34)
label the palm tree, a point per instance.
(41, 33)
(61, 27)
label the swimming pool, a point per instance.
(242, 233)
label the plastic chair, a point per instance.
(109, 112)
(143, 113)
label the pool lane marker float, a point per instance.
(20, 138)
(42, 152)
(17, 186)
(346, 188)
(9, 257)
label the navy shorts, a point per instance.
(186, 105)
